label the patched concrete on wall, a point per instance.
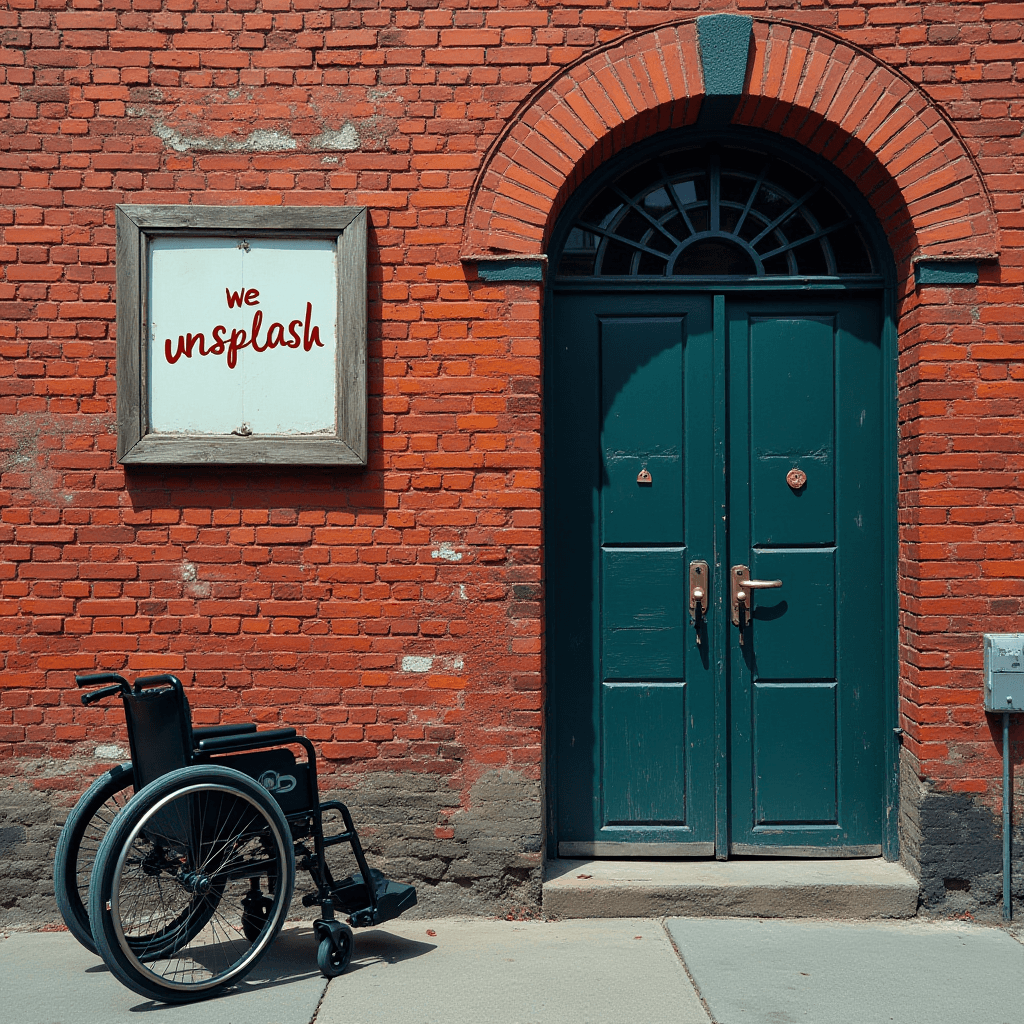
(262, 140)
(478, 854)
(953, 843)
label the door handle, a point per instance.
(699, 576)
(741, 587)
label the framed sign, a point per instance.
(241, 335)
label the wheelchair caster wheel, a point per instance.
(332, 960)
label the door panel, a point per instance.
(634, 700)
(805, 391)
(642, 427)
(795, 753)
(793, 629)
(643, 602)
(792, 426)
(644, 763)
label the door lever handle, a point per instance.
(741, 587)
(760, 584)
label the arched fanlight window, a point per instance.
(714, 211)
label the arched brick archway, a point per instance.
(872, 124)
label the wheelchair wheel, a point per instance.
(79, 842)
(168, 895)
(333, 959)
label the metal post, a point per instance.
(1007, 823)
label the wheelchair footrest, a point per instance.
(393, 898)
(396, 899)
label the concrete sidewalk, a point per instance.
(607, 971)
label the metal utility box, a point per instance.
(1004, 671)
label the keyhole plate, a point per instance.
(796, 478)
(644, 476)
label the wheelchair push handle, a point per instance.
(100, 678)
(145, 682)
(116, 684)
(107, 691)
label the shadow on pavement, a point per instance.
(380, 947)
(290, 959)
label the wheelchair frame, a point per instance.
(242, 763)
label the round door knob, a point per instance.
(796, 478)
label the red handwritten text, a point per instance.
(302, 334)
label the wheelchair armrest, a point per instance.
(247, 741)
(208, 732)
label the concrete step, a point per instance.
(735, 888)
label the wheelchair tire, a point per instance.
(79, 843)
(168, 888)
(333, 960)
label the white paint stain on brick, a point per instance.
(416, 663)
(447, 552)
(457, 664)
(111, 752)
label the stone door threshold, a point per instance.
(768, 887)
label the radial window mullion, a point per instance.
(643, 213)
(670, 187)
(622, 240)
(813, 237)
(753, 196)
(783, 217)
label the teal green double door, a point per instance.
(738, 709)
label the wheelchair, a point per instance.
(178, 869)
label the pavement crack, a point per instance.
(320, 1002)
(693, 981)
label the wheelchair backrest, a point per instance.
(159, 728)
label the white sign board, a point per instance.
(243, 336)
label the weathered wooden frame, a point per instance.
(137, 226)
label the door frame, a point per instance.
(882, 286)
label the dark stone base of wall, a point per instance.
(480, 855)
(953, 843)
(32, 812)
(484, 858)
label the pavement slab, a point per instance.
(474, 971)
(48, 978)
(828, 972)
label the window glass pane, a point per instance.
(651, 265)
(618, 259)
(714, 256)
(810, 259)
(850, 252)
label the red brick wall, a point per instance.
(295, 595)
